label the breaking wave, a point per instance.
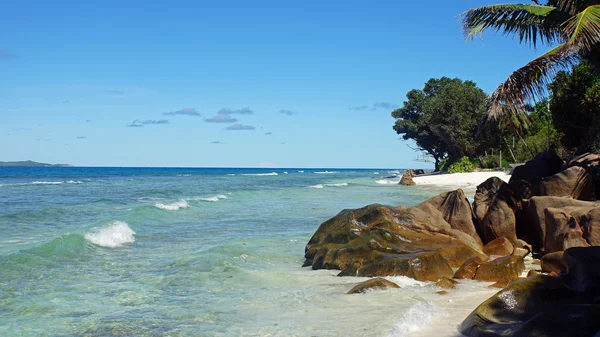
(415, 319)
(44, 183)
(173, 206)
(329, 185)
(216, 198)
(260, 174)
(114, 235)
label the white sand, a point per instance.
(467, 181)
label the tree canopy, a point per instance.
(575, 108)
(442, 118)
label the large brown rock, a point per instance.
(457, 211)
(468, 269)
(446, 283)
(552, 263)
(591, 162)
(531, 219)
(590, 224)
(584, 160)
(379, 240)
(505, 269)
(499, 246)
(543, 165)
(535, 306)
(403, 252)
(562, 231)
(493, 208)
(347, 226)
(583, 273)
(540, 305)
(376, 283)
(407, 178)
(574, 182)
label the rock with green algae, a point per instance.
(380, 240)
(422, 256)
(376, 283)
(542, 305)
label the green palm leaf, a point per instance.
(584, 29)
(532, 23)
(530, 82)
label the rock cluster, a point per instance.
(547, 208)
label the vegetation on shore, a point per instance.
(552, 103)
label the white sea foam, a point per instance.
(387, 182)
(326, 172)
(184, 175)
(231, 174)
(260, 174)
(44, 183)
(415, 319)
(376, 173)
(173, 206)
(216, 198)
(300, 171)
(329, 185)
(114, 235)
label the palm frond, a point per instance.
(573, 6)
(531, 81)
(531, 23)
(584, 29)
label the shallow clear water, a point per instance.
(197, 252)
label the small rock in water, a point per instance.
(376, 283)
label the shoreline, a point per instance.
(468, 182)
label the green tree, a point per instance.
(442, 118)
(573, 25)
(575, 108)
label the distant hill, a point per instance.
(30, 163)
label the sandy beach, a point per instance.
(467, 181)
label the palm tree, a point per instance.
(572, 27)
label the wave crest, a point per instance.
(173, 206)
(260, 174)
(387, 182)
(319, 186)
(216, 198)
(114, 235)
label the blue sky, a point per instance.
(228, 83)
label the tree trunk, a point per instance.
(437, 163)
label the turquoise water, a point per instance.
(194, 252)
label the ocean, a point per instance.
(199, 252)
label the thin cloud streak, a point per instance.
(221, 118)
(140, 123)
(240, 127)
(287, 112)
(183, 112)
(242, 111)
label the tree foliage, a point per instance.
(442, 118)
(575, 108)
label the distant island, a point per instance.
(30, 163)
